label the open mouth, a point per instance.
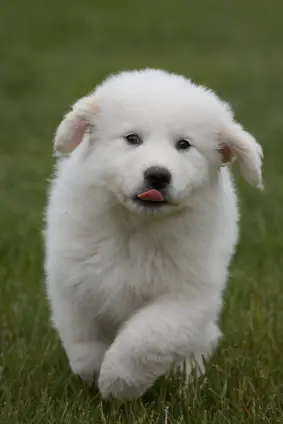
(150, 204)
(151, 199)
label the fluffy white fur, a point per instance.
(133, 290)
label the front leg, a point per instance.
(80, 335)
(195, 365)
(156, 337)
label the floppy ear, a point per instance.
(238, 144)
(70, 132)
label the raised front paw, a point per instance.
(86, 358)
(118, 381)
(188, 369)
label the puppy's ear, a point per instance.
(237, 144)
(70, 132)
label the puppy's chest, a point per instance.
(133, 272)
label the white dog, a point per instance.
(141, 226)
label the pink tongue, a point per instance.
(152, 195)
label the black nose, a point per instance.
(157, 177)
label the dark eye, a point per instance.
(183, 144)
(133, 139)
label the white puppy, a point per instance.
(141, 226)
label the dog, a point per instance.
(141, 226)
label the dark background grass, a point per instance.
(53, 52)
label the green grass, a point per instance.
(54, 52)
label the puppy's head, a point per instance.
(153, 139)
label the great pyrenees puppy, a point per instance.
(141, 225)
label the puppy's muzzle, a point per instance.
(157, 177)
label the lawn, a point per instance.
(54, 52)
